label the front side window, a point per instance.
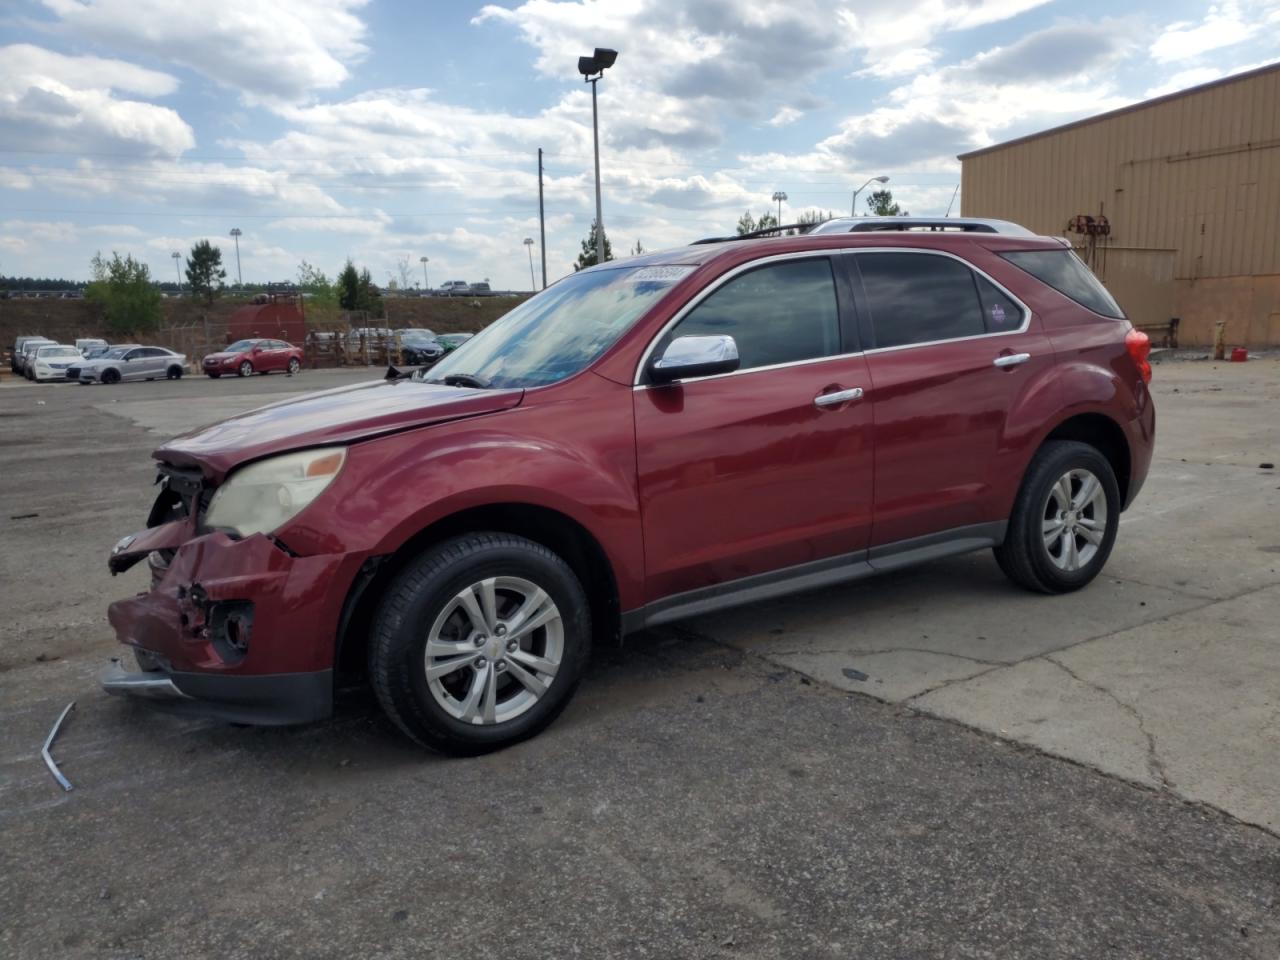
(919, 298)
(1066, 273)
(558, 332)
(778, 313)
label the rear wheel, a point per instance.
(479, 643)
(246, 368)
(1064, 520)
(174, 372)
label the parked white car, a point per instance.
(86, 344)
(130, 362)
(50, 362)
(28, 351)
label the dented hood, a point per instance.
(341, 415)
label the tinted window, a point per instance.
(919, 298)
(998, 312)
(777, 314)
(1066, 273)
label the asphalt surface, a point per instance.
(700, 798)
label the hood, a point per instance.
(341, 415)
(222, 355)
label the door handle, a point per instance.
(1011, 359)
(840, 396)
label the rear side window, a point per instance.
(920, 298)
(999, 313)
(778, 313)
(1066, 273)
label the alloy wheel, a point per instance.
(494, 650)
(1074, 520)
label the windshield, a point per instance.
(240, 346)
(115, 353)
(558, 332)
(57, 352)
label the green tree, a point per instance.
(348, 285)
(123, 290)
(638, 249)
(587, 258)
(881, 204)
(204, 270)
(814, 217)
(747, 224)
(368, 298)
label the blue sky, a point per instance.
(387, 131)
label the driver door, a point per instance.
(750, 472)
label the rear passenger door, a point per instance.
(950, 352)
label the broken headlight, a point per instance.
(267, 494)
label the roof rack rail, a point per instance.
(928, 224)
(756, 234)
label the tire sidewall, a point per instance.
(412, 604)
(1071, 456)
(241, 371)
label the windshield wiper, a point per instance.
(463, 380)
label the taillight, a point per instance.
(1139, 346)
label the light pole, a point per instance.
(592, 69)
(528, 242)
(853, 207)
(236, 233)
(426, 284)
(177, 269)
(779, 196)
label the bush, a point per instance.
(123, 290)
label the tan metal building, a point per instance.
(1189, 186)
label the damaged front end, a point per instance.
(236, 627)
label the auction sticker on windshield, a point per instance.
(670, 274)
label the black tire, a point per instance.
(110, 376)
(213, 374)
(294, 366)
(1024, 557)
(244, 369)
(419, 594)
(174, 372)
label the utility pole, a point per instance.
(542, 223)
(235, 232)
(597, 64)
(177, 268)
(779, 196)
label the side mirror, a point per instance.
(687, 357)
(257, 349)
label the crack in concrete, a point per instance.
(884, 650)
(1155, 766)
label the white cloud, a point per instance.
(785, 116)
(1223, 26)
(49, 101)
(1184, 79)
(269, 50)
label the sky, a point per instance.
(389, 130)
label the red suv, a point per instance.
(646, 440)
(247, 357)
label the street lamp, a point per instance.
(236, 233)
(592, 69)
(853, 207)
(779, 196)
(177, 269)
(426, 284)
(528, 242)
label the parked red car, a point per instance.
(645, 440)
(246, 357)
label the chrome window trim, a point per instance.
(829, 254)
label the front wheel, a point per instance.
(110, 376)
(1064, 520)
(246, 368)
(294, 366)
(479, 643)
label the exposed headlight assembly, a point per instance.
(265, 495)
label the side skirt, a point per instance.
(815, 574)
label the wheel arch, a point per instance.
(556, 531)
(1106, 435)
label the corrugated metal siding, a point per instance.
(1199, 174)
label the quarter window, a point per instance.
(999, 313)
(1066, 273)
(779, 313)
(920, 298)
